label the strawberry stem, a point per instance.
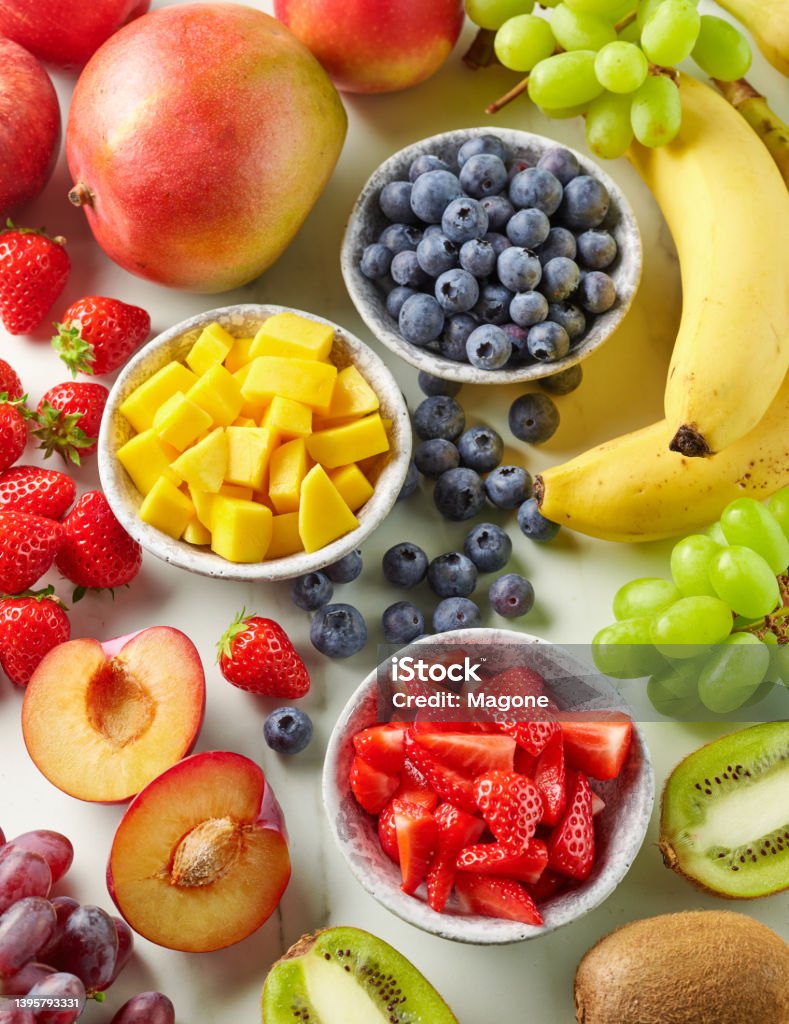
(76, 353)
(60, 432)
(226, 640)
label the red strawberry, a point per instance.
(387, 834)
(28, 545)
(469, 753)
(372, 788)
(69, 417)
(548, 885)
(382, 746)
(96, 552)
(496, 897)
(417, 838)
(256, 654)
(13, 430)
(29, 628)
(549, 780)
(99, 334)
(519, 681)
(456, 829)
(598, 804)
(41, 492)
(511, 805)
(525, 764)
(598, 749)
(10, 384)
(495, 859)
(414, 787)
(449, 785)
(533, 735)
(33, 271)
(571, 846)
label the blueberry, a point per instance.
(560, 242)
(548, 342)
(395, 202)
(516, 166)
(511, 595)
(287, 730)
(481, 144)
(405, 270)
(560, 278)
(436, 254)
(459, 494)
(345, 569)
(439, 416)
(423, 164)
(483, 175)
(597, 292)
(338, 630)
(533, 418)
(410, 483)
(432, 229)
(376, 261)
(400, 237)
(488, 347)
(508, 486)
(480, 448)
(402, 622)
(528, 228)
(570, 317)
(533, 523)
(456, 613)
(430, 385)
(404, 565)
(452, 343)
(478, 257)
(535, 187)
(528, 308)
(518, 337)
(311, 591)
(561, 163)
(435, 457)
(488, 547)
(498, 241)
(518, 269)
(493, 306)
(585, 203)
(456, 291)
(499, 210)
(421, 319)
(596, 249)
(396, 298)
(463, 219)
(452, 575)
(563, 382)
(432, 192)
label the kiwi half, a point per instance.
(348, 976)
(724, 820)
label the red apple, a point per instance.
(65, 32)
(101, 720)
(375, 45)
(199, 138)
(200, 858)
(29, 126)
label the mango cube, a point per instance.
(179, 422)
(167, 508)
(285, 539)
(196, 533)
(203, 465)
(145, 458)
(288, 418)
(323, 515)
(303, 380)
(241, 530)
(210, 349)
(352, 396)
(249, 452)
(290, 335)
(219, 393)
(142, 403)
(353, 485)
(287, 469)
(238, 355)
(204, 505)
(251, 410)
(337, 446)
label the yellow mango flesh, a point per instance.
(337, 446)
(196, 533)
(288, 418)
(142, 403)
(241, 530)
(145, 457)
(287, 469)
(238, 356)
(204, 464)
(303, 380)
(210, 349)
(285, 538)
(352, 396)
(167, 508)
(353, 485)
(219, 393)
(323, 515)
(249, 452)
(293, 336)
(179, 421)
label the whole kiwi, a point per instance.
(696, 967)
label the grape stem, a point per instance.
(508, 97)
(481, 53)
(626, 21)
(660, 69)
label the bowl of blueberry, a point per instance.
(491, 255)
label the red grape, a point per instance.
(64, 908)
(89, 947)
(56, 850)
(24, 928)
(125, 946)
(26, 977)
(146, 1008)
(59, 987)
(22, 874)
(12, 1014)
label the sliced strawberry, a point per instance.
(549, 780)
(417, 840)
(495, 859)
(571, 845)
(534, 735)
(511, 805)
(448, 784)
(519, 682)
(548, 885)
(468, 753)
(525, 763)
(455, 830)
(373, 789)
(387, 833)
(427, 725)
(414, 787)
(382, 746)
(598, 804)
(598, 749)
(496, 897)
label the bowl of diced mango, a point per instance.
(254, 442)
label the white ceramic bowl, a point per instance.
(367, 221)
(619, 830)
(242, 321)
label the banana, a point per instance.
(767, 125)
(634, 489)
(728, 210)
(768, 23)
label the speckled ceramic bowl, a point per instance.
(367, 221)
(619, 832)
(242, 321)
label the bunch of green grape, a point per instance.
(612, 60)
(715, 635)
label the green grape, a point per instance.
(671, 31)
(621, 67)
(493, 13)
(647, 596)
(611, 9)
(674, 691)
(630, 34)
(744, 581)
(690, 626)
(656, 113)
(523, 42)
(779, 662)
(721, 49)
(576, 31)
(623, 650)
(734, 670)
(608, 130)
(646, 8)
(565, 80)
(759, 694)
(565, 113)
(779, 506)
(690, 562)
(748, 522)
(715, 533)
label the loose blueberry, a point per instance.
(596, 249)
(499, 210)
(405, 270)
(456, 613)
(478, 257)
(402, 622)
(536, 187)
(456, 291)
(400, 237)
(338, 630)
(561, 163)
(287, 730)
(480, 448)
(459, 494)
(483, 175)
(585, 203)
(533, 418)
(421, 319)
(436, 254)
(488, 347)
(376, 261)
(452, 575)
(345, 569)
(424, 163)
(432, 192)
(439, 416)
(519, 269)
(463, 219)
(548, 342)
(597, 292)
(430, 385)
(404, 565)
(311, 591)
(528, 228)
(560, 278)
(488, 547)
(508, 486)
(435, 457)
(560, 242)
(395, 202)
(481, 144)
(396, 299)
(528, 308)
(570, 317)
(452, 343)
(563, 382)
(493, 306)
(511, 595)
(533, 523)
(410, 483)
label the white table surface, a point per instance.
(574, 580)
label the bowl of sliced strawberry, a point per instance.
(499, 810)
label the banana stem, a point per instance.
(767, 125)
(481, 53)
